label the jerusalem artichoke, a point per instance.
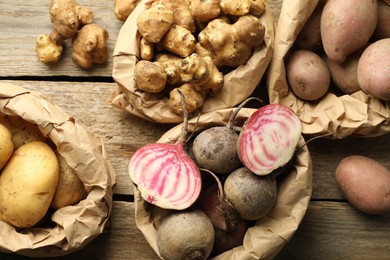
(231, 44)
(194, 99)
(67, 17)
(154, 22)
(123, 8)
(150, 76)
(205, 10)
(89, 46)
(181, 13)
(47, 50)
(178, 40)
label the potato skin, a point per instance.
(6, 145)
(309, 38)
(383, 27)
(347, 26)
(344, 75)
(373, 70)
(307, 74)
(22, 131)
(70, 189)
(27, 184)
(365, 183)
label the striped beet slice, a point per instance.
(269, 138)
(165, 175)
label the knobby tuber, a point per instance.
(154, 22)
(47, 50)
(73, 21)
(89, 46)
(231, 44)
(67, 17)
(123, 8)
(150, 76)
(194, 98)
(196, 40)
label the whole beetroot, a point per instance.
(252, 196)
(185, 235)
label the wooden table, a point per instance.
(331, 228)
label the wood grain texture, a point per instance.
(331, 228)
(23, 21)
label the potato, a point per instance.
(373, 70)
(22, 131)
(307, 75)
(365, 183)
(344, 75)
(346, 26)
(70, 189)
(383, 27)
(6, 145)
(27, 184)
(309, 38)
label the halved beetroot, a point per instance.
(269, 138)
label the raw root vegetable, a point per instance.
(225, 241)
(67, 17)
(186, 235)
(89, 46)
(221, 214)
(229, 228)
(164, 174)
(252, 196)
(216, 148)
(123, 8)
(47, 50)
(269, 138)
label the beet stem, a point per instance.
(220, 188)
(234, 114)
(184, 129)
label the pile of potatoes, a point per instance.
(344, 43)
(34, 178)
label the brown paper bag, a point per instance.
(239, 83)
(73, 226)
(270, 234)
(343, 115)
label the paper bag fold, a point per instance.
(73, 226)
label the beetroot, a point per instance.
(221, 214)
(216, 148)
(225, 241)
(229, 228)
(187, 235)
(164, 174)
(269, 138)
(252, 196)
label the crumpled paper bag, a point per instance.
(270, 234)
(239, 83)
(74, 226)
(345, 115)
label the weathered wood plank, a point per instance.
(22, 22)
(337, 231)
